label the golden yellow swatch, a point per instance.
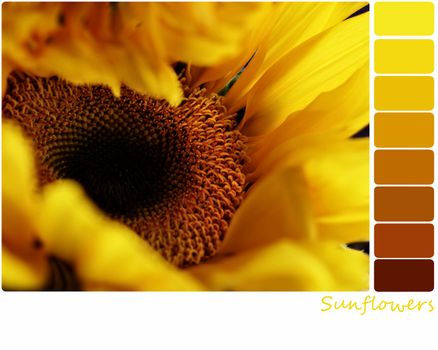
(403, 18)
(403, 93)
(403, 56)
(396, 130)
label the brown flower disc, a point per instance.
(172, 174)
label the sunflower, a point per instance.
(184, 146)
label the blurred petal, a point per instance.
(208, 33)
(336, 175)
(277, 207)
(288, 265)
(319, 65)
(23, 261)
(103, 253)
(23, 273)
(339, 187)
(130, 43)
(19, 200)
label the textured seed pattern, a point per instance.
(172, 174)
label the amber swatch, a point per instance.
(403, 275)
(409, 130)
(403, 93)
(403, 204)
(403, 167)
(403, 56)
(403, 240)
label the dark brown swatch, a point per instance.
(403, 204)
(403, 275)
(403, 240)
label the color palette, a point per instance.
(403, 137)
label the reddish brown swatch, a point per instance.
(403, 167)
(403, 240)
(403, 204)
(403, 275)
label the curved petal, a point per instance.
(288, 265)
(277, 207)
(339, 113)
(319, 65)
(130, 43)
(336, 174)
(339, 187)
(23, 261)
(290, 25)
(23, 272)
(19, 200)
(103, 253)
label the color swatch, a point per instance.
(403, 131)
(403, 93)
(403, 203)
(403, 167)
(403, 275)
(403, 240)
(403, 56)
(403, 18)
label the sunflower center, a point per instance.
(173, 174)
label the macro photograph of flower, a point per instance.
(185, 146)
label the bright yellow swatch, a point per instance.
(403, 18)
(400, 93)
(403, 56)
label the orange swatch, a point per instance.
(403, 167)
(403, 130)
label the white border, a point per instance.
(216, 320)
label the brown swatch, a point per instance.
(403, 204)
(403, 240)
(403, 167)
(403, 275)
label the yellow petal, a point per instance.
(103, 253)
(350, 268)
(337, 177)
(290, 25)
(24, 263)
(275, 208)
(288, 265)
(319, 65)
(340, 113)
(339, 187)
(267, 157)
(208, 33)
(19, 200)
(22, 273)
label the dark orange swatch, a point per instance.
(403, 204)
(403, 167)
(403, 240)
(403, 275)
